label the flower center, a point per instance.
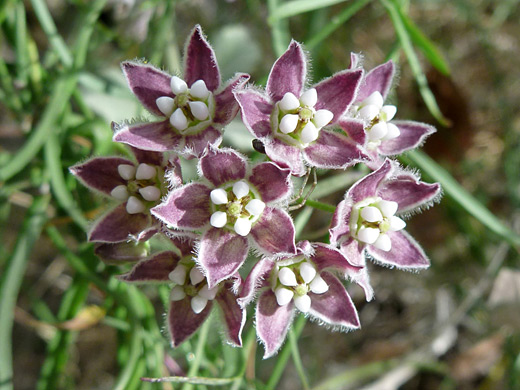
(143, 188)
(295, 280)
(295, 119)
(235, 207)
(377, 117)
(191, 109)
(190, 282)
(371, 220)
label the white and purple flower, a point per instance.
(291, 122)
(195, 109)
(233, 206)
(367, 220)
(191, 301)
(305, 282)
(135, 186)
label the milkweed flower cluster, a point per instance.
(238, 211)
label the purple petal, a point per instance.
(378, 79)
(286, 156)
(221, 254)
(353, 251)
(272, 322)
(155, 136)
(274, 232)
(200, 61)
(234, 315)
(412, 135)
(184, 243)
(354, 129)
(355, 60)
(225, 102)
(362, 279)
(198, 143)
(326, 257)
(182, 320)
(100, 173)
(147, 83)
(221, 166)
(272, 182)
(154, 269)
(408, 191)
(334, 307)
(173, 173)
(148, 157)
(405, 252)
(338, 92)
(257, 279)
(117, 225)
(367, 186)
(333, 151)
(186, 207)
(256, 111)
(120, 252)
(340, 225)
(288, 73)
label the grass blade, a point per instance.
(296, 7)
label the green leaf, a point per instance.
(292, 8)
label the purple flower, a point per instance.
(305, 282)
(382, 135)
(191, 300)
(233, 206)
(367, 219)
(194, 110)
(135, 186)
(290, 121)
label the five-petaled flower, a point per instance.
(306, 282)
(191, 300)
(291, 123)
(366, 220)
(382, 136)
(135, 186)
(233, 206)
(195, 109)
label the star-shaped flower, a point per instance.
(382, 135)
(305, 282)
(191, 300)
(233, 206)
(134, 186)
(194, 109)
(291, 122)
(368, 219)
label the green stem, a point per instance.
(320, 205)
(11, 282)
(293, 341)
(199, 352)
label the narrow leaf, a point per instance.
(296, 7)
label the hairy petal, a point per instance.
(378, 79)
(256, 111)
(221, 254)
(367, 186)
(405, 252)
(274, 232)
(154, 136)
(196, 144)
(272, 322)
(340, 226)
(154, 269)
(120, 252)
(354, 251)
(182, 320)
(147, 83)
(100, 173)
(334, 307)
(149, 157)
(413, 134)
(234, 315)
(354, 129)
(117, 225)
(226, 104)
(257, 279)
(327, 257)
(288, 73)
(338, 92)
(200, 61)
(221, 166)
(333, 151)
(286, 156)
(186, 207)
(272, 182)
(408, 191)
